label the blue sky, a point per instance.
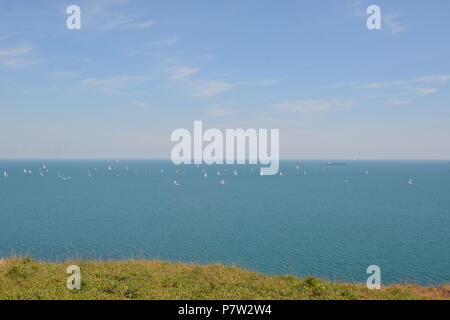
(137, 70)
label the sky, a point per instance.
(138, 70)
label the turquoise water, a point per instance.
(314, 224)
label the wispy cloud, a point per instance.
(358, 8)
(15, 51)
(391, 23)
(19, 62)
(114, 84)
(163, 43)
(398, 102)
(345, 84)
(181, 73)
(211, 88)
(425, 91)
(420, 85)
(313, 105)
(139, 104)
(17, 57)
(68, 74)
(126, 22)
(111, 15)
(142, 25)
(219, 110)
(399, 92)
(410, 84)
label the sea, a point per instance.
(316, 219)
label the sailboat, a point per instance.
(235, 172)
(205, 175)
(410, 182)
(5, 174)
(281, 173)
(221, 181)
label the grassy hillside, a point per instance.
(23, 278)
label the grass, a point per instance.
(24, 278)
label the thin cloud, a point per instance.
(109, 15)
(163, 43)
(422, 85)
(219, 111)
(114, 84)
(17, 57)
(142, 25)
(345, 84)
(68, 74)
(358, 8)
(391, 23)
(426, 91)
(211, 88)
(181, 73)
(313, 105)
(126, 23)
(139, 104)
(20, 62)
(398, 102)
(426, 79)
(16, 51)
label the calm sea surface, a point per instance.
(333, 222)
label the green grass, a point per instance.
(24, 278)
